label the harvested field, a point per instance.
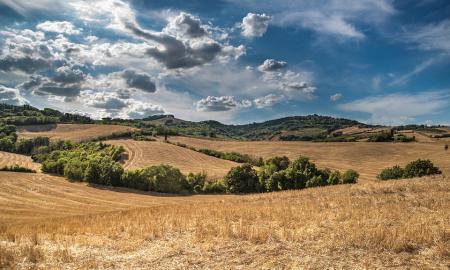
(367, 158)
(10, 159)
(144, 153)
(48, 222)
(73, 132)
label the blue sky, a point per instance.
(236, 61)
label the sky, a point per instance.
(235, 61)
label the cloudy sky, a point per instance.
(236, 61)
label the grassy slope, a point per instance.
(368, 225)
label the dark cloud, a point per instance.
(272, 65)
(41, 85)
(11, 96)
(26, 64)
(139, 80)
(68, 75)
(175, 53)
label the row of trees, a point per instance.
(417, 168)
(279, 173)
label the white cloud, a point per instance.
(339, 18)
(267, 101)
(223, 103)
(335, 97)
(272, 65)
(62, 27)
(399, 108)
(255, 25)
(430, 37)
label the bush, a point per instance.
(17, 168)
(350, 177)
(242, 179)
(315, 181)
(395, 172)
(382, 137)
(334, 178)
(196, 181)
(298, 172)
(417, 168)
(214, 187)
(420, 168)
(161, 178)
(103, 170)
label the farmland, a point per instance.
(73, 132)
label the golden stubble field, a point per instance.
(365, 157)
(49, 223)
(73, 132)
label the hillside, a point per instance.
(48, 222)
(365, 157)
(72, 132)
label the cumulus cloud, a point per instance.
(335, 97)
(255, 25)
(267, 101)
(41, 85)
(272, 65)
(11, 96)
(103, 100)
(223, 103)
(399, 108)
(185, 25)
(67, 75)
(141, 110)
(59, 27)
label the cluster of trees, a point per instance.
(279, 173)
(417, 168)
(10, 143)
(28, 115)
(90, 162)
(232, 156)
(391, 137)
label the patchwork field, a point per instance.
(50, 223)
(144, 153)
(73, 132)
(367, 158)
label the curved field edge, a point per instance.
(144, 153)
(400, 223)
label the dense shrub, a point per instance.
(90, 162)
(350, 177)
(17, 168)
(382, 137)
(404, 138)
(162, 178)
(395, 172)
(417, 168)
(26, 146)
(214, 187)
(298, 172)
(242, 179)
(196, 181)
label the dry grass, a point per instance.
(144, 153)
(395, 224)
(10, 159)
(73, 132)
(367, 158)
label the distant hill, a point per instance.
(294, 128)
